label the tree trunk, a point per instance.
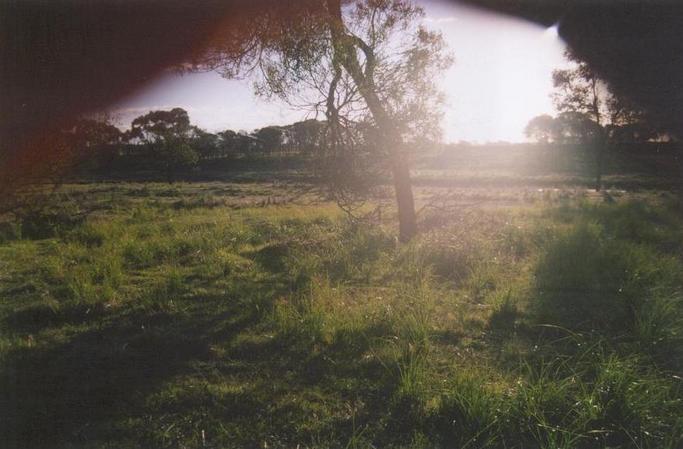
(598, 168)
(344, 46)
(601, 139)
(407, 220)
(599, 160)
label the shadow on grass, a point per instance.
(312, 390)
(36, 317)
(155, 375)
(80, 390)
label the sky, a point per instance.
(501, 79)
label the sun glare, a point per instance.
(502, 75)
(552, 32)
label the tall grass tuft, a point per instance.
(587, 281)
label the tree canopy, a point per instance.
(369, 66)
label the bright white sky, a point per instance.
(500, 80)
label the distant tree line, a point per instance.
(578, 128)
(168, 143)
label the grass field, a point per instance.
(256, 315)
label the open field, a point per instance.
(245, 315)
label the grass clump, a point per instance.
(469, 415)
(594, 399)
(591, 282)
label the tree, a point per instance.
(90, 133)
(94, 141)
(542, 128)
(577, 128)
(227, 144)
(206, 144)
(306, 137)
(628, 123)
(368, 65)
(581, 93)
(167, 135)
(592, 112)
(270, 139)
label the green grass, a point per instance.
(179, 317)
